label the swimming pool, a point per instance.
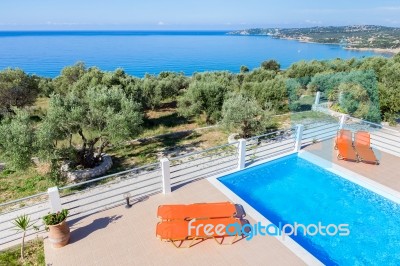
(291, 189)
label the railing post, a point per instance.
(299, 136)
(342, 121)
(166, 175)
(241, 154)
(54, 199)
(317, 97)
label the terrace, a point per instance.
(103, 232)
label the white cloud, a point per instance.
(160, 23)
(52, 23)
(313, 21)
(392, 21)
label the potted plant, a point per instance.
(58, 228)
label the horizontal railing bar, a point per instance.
(112, 183)
(203, 151)
(211, 170)
(316, 129)
(109, 190)
(29, 213)
(109, 206)
(268, 141)
(332, 128)
(269, 155)
(271, 145)
(387, 143)
(12, 226)
(379, 147)
(111, 196)
(18, 236)
(313, 126)
(191, 166)
(202, 176)
(261, 151)
(319, 136)
(24, 207)
(375, 124)
(396, 135)
(23, 199)
(150, 192)
(263, 146)
(271, 133)
(196, 159)
(258, 152)
(306, 136)
(108, 176)
(208, 168)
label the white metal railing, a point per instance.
(265, 146)
(197, 165)
(382, 138)
(319, 131)
(35, 206)
(97, 194)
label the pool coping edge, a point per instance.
(292, 245)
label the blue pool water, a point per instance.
(292, 189)
(139, 52)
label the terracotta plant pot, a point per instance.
(59, 234)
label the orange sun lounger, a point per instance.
(181, 231)
(362, 143)
(344, 145)
(197, 210)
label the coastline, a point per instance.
(363, 49)
(376, 50)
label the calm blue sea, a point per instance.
(140, 52)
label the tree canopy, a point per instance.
(17, 89)
(17, 139)
(245, 116)
(99, 116)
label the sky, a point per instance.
(187, 14)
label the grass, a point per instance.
(166, 120)
(290, 119)
(18, 184)
(34, 254)
(148, 151)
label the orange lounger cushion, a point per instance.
(344, 135)
(366, 154)
(346, 151)
(197, 210)
(197, 229)
(362, 143)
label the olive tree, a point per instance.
(99, 116)
(17, 89)
(389, 91)
(245, 116)
(271, 65)
(17, 139)
(203, 98)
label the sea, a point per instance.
(46, 53)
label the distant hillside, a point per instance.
(368, 36)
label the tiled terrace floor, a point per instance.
(122, 236)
